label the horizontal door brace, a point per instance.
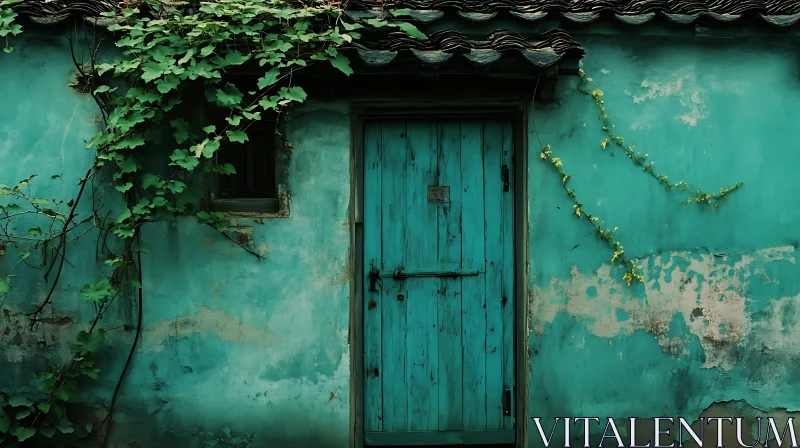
(376, 277)
(401, 274)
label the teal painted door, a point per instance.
(438, 292)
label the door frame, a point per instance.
(516, 109)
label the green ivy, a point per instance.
(7, 25)
(173, 62)
(701, 197)
(632, 270)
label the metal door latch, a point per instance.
(375, 280)
(507, 402)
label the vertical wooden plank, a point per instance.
(473, 302)
(393, 178)
(493, 211)
(421, 301)
(449, 316)
(373, 389)
(508, 269)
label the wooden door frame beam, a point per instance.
(431, 107)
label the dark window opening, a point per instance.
(254, 186)
(254, 162)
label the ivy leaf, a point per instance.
(153, 70)
(19, 401)
(47, 432)
(170, 82)
(236, 58)
(181, 128)
(210, 148)
(5, 285)
(128, 165)
(412, 31)
(24, 434)
(269, 78)
(97, 292)
(4, 424)
(124, 188)
(148, 180)
(294, 94)
(103, 89)
(182, 158)
(186, 57)
(203, 217)
(124, 215)
(24, 413)
(342, 64)
(237, 136)
(225, 169)
(269, 103)
(90, 342)
(102, 68)
(229, 97)
(141, 207)
(207, 50)
(377, 23)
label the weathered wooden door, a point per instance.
(438, 291)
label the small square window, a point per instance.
(254, 161)
(254, 186)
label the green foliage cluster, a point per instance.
(632, 270)
(45, 414)
(7, 25)
(157, 148)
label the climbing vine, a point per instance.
(619, 257)
(169, 56)
(701, 197)
(157, 147)
(7, 26)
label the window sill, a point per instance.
(260, 208)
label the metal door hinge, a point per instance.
(507, 402)
(505, 177)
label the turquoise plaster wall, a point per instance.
(716, 319)
(234, 350)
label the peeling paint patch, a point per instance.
(205, 321)
(706, 291)
(688, 90)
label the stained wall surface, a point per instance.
(236, 350)
(716, 317)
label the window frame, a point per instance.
(277, 206)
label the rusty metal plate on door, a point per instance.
(438, 194)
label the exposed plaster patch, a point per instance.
(689, 91)
(706, 291)
(204, 322)
(18, 342)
